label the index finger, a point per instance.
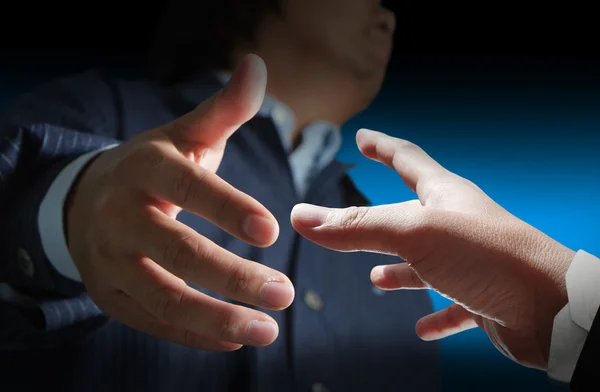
(414, 165)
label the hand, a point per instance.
(135, 258)
(502, 274)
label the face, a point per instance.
(354, 36)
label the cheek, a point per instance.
(333, 29)
(341, 37)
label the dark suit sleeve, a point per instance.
(585, 377)
(40, 134)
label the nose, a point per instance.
(386, 20)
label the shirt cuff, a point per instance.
(573, 322)
(50, 216)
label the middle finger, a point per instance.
(197, 260)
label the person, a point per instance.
(146, 241)
(535, 298)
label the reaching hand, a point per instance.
(135, 258)
(502, 274)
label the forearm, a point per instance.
(41, 299)
(26, 184)
(43, 137)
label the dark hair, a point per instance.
(197, 35)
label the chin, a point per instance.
(371, 81)
(368, 90)
(368, 75)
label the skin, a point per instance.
(326, 59)
(135, 258)
(503, 275)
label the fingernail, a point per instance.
(261, 333)
(377, 274)
(309, 215)
(260, 229)
(277, 294)
(366, 131)
(370, 132)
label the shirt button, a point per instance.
(318, 387)
(25, 263)
(313, 300)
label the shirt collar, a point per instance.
(285, 120)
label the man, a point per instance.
(143, 235)
(535, 298)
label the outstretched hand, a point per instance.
(136, 260)
(503, 275)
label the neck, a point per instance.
(312, 89)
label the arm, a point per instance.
(134, 258)
(503, 275)
(42, 137)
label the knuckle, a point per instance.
(178, 127)
(353, 218)
(437, 182)
(429, 222)
(164, 303)
(239, 278)
(224, 325)
(467, 183)
(99, 242)
(99, 251)
(142, 159)
(180, 253)
(438, 187)
(403, 148)
(224, 205)
(422, 234)
(189, 338)
(106, 214)
(406, 145)
(183, 183)
(106, 219)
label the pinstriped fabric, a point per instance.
(358, 341)
(39, 134)
(64, 312)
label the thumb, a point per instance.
(382, 229)
(216, 119)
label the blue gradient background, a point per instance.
(526, 133)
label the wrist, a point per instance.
(71, 212)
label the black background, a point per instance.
(425, 30)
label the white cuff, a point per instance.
(50, 217)
(574, 321)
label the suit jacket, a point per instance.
(587, 364)
(357, 339)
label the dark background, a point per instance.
(108, 29)
(504, 94)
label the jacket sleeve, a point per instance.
(41, 134)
